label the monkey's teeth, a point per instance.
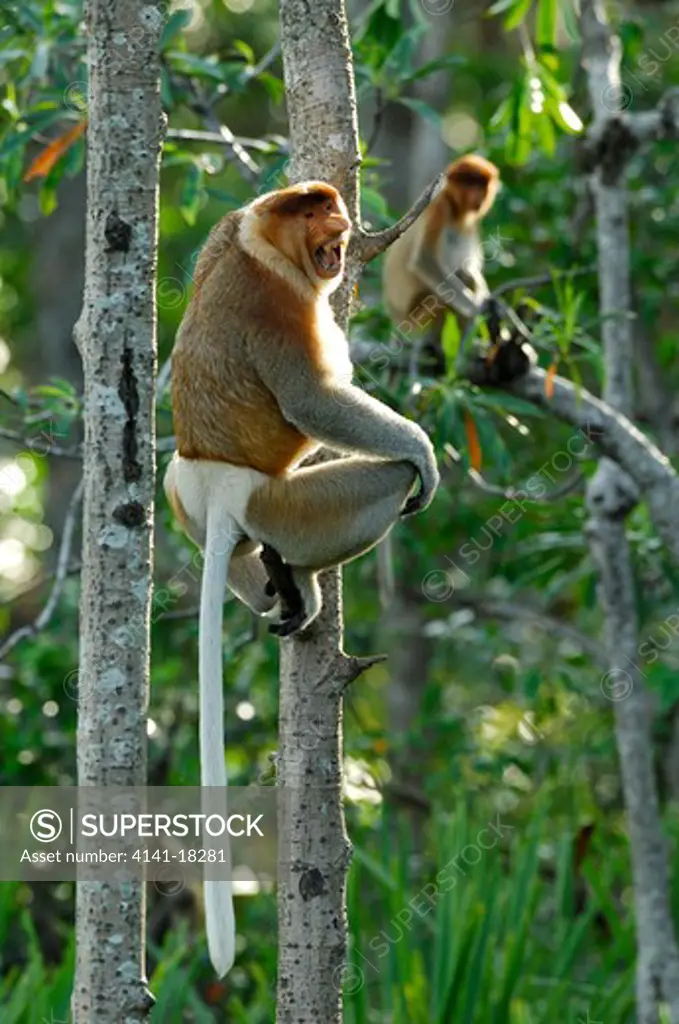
(329, 258)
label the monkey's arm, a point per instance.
(345, 417)
(451, 287)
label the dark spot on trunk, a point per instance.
(131, 514)
(311, 884)
(117, 233)
(616, 147)
(129, 394)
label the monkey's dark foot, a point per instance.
(282, 582)
(288, 625)
(501, 363)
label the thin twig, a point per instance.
(10, 398)
(513, 492)
(74, 569)
(377, 120)
(203, 108)
(198, 135)
(30, 444)
(367, 245)
(64, 557)
(538, 280)
(267, 60)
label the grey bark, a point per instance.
(116, 336)
(314, 849)
(610, 497)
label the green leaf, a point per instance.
(189, 201)
(500, 6)
(519, 138)
(570, 20)
(564, 116)
(47, 197)
(173, 26)
(545, 24)
(200, 67)
(374, 203)
(449, 61)
(450, 339)
(502, 116)
(423, 109)
(40, 60)
(243, 48)
(15, 139)
(546, 134)
(166, 96)
(274, 86)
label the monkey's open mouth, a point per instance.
(328, 259)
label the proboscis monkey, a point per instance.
(437, 264)
(261, 376)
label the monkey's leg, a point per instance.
(325, 515)
(248, 579)
(282, 582)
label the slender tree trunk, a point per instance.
(116, 335)
(314, 850)
(611, 495)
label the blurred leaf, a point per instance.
(451, 60)
(423, 109)
(545, 22)
(189, 200)
(274, 86)
(450, 340)
(177, 21)
(473, 445)
(45, 160)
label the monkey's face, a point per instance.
(322, 231)
(310, 225)
(471, 188)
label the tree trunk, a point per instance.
(314, 850)
(610, 496)
(116, 335)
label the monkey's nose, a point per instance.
(340, 224)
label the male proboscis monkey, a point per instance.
(261, 376)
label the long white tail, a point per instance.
(222, 535)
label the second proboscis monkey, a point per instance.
(261, 377)
(437, 264)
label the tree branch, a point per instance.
(494, 608)
(217, 139)
(509, 493)
(367, 245)
(619, 439)
(52, 449)
(609, 500)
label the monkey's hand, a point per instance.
(429, 475)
